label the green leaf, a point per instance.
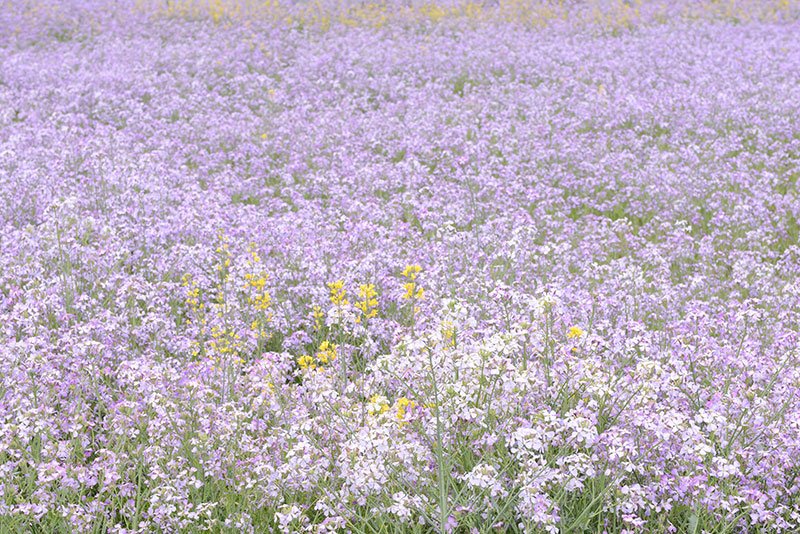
(693, 521)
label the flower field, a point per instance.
(399, 267)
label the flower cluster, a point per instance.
(213, 309)
(368, 301)
(338, 296)
(412, 289)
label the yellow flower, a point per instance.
(255, 259)
(413, 291)
(306, 362)
(261, 301)
(326, 352)
(403, 406)
(225, 341)
(338, 293)
(368, 303)
(449, 333)
(257, 281)
(411, 271)
(378, 404)
(575, 331)
(318, 315)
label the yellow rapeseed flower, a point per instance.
(338, 293)
(378, 404)
(449, 333)
(368, 303)
(412, 289)
(411, 271)
(306, 362)
(575, 332)
(403, 406)
(326, 352)
(317, 314)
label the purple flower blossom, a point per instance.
(578, 224)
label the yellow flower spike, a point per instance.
(409, 287)
(411, 271)
(449, 333)
(575, 332)
(412, 289)
(261, 300)
(378, 405)
(326, 352)
(368, 303)
(403, 406)
(306, 362)
(255, 259)
(338, 293)
(317, 315)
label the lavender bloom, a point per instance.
(405, 266)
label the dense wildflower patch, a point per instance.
(383, 267)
